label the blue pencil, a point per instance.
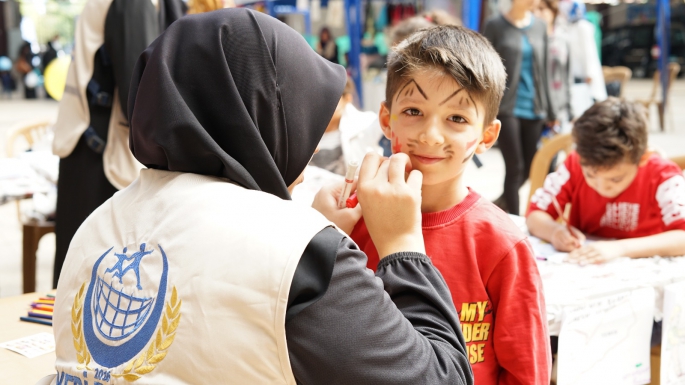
(36, 320)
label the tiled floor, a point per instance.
(487, 180)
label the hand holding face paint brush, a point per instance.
(392, 203)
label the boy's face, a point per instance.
(438, 124)
(610, 182)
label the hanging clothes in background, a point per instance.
(335, 17)
(381, 12)
(315, 11)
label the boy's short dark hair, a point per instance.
(459, 52)
(611, 132)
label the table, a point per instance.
(15, 368)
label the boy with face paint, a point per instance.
(443, 92)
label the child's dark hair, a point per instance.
(464, 55)
(611, 132)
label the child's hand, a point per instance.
(596, 252)
(392, 205)
(326, 202)
(562, 239)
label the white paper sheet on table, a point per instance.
(607, 340)
(32, 346)
(673, 335)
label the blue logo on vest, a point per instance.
(115, 319)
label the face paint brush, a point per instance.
(349, 180)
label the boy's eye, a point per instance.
(412, 112)
(457, 119)
(616, 180)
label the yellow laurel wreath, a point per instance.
(146, 362)
(82, 354)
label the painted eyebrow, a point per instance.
(417, 87)
(469, 98)
(451, 96)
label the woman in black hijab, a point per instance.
(236, 98)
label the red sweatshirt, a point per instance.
(490, 269)
(652, 204)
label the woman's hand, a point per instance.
(326, 202)
(596, 252)
(392, 205)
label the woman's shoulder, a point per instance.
(496, 20)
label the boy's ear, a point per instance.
(384, 119)
(490, 135)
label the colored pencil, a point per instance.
(36, 320)
(557, 207)
(40, 314)
(43, 307)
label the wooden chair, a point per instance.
(617, 74)
(673, 69)
(543, 159)
(680, 161)
(33, 230)
(30, 134)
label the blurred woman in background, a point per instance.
(521, 40)
(326, 46)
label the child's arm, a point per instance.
(666, 244)
(543, 226)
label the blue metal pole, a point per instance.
(353, 21)
(470, 13)
(663, 26)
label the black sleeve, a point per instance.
(130, 26)
(397, 327)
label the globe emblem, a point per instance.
(118, 314)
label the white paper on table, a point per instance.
(607, 340)
(32, 346)
(543, 249)
(673, 335)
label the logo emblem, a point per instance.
(116, 317)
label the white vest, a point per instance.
(203, 301)
(120, 167)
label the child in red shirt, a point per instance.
(442, 96)
(616, 188)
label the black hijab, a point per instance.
(232, 93)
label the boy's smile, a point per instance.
(439, 125)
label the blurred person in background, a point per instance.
(91, 132)
(326, 46)
(558, 72)
(349, 135)
(24, 67)
(521, 40)
(6, 79)
(585, 65)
